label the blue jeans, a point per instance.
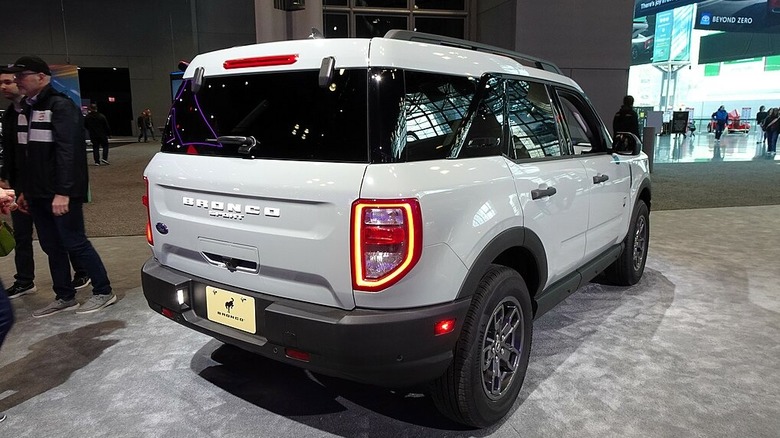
(720, 126)
(61, 235)
(23, 253)
(6, 315)
(771, 137)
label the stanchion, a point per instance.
(648, 145)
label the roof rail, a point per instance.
(409, 35)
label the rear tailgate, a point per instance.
(275, 227)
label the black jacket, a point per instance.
(97, 125)
(626, 120)
(9, 140)
(53, 161)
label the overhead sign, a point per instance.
(755, 16)
(673, 35)
(643, 8)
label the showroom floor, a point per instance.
(702, 147)
(692, 350)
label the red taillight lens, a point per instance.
(386, 241)
(260, 61)
(145, 201)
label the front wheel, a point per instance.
(491, 355)
(629, 267)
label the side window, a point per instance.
(485, 130)
(532, 129)
(583, 126)
(434, 106)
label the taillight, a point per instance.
(145, 201)
(386, 241)
(260, 61)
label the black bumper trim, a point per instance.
(391, 348)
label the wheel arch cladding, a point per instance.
(517, 248)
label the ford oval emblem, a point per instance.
(161, 228)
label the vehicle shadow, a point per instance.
(53, 360)
(350, 409)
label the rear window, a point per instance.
(288, 114)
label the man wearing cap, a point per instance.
(52, 185)
(22, 222)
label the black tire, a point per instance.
(468, 394)
(629, 267)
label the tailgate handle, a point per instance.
(232, 264)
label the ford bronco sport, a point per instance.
(395, 211)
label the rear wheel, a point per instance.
(491, 356)
(629, 267)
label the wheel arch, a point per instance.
(645, 193)
(517, 248)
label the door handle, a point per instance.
(598, 179)
(541, 193)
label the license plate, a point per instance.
(231, 309)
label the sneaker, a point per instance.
(81, 282)
(18, 290)
(97, 302)
(97, 164)
(56, 306)
(102, 161)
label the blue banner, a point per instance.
(755, 16)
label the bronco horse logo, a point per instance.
(229, 305)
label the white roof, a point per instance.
(375, 52)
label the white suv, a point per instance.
(394, 210)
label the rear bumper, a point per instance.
(392, 348)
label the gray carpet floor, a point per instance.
(691, 350)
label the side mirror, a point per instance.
(626, 143)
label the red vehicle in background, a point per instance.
(734, 124)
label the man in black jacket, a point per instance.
(22, 222)
(626, 119)
(99, 132)
(52, 183)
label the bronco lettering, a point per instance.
(222, 209)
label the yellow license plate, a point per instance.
(231, 309)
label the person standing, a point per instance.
(99, 133)
(141, 123)
(721, 117)
(772, 129)
(626, 119)
(760, 117)
(53, 184)
(149, 122)
(22, 222)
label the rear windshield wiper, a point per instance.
(245, 143)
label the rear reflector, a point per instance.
(444, 327)
(168, 313)
(297, 354)
(260, 61)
